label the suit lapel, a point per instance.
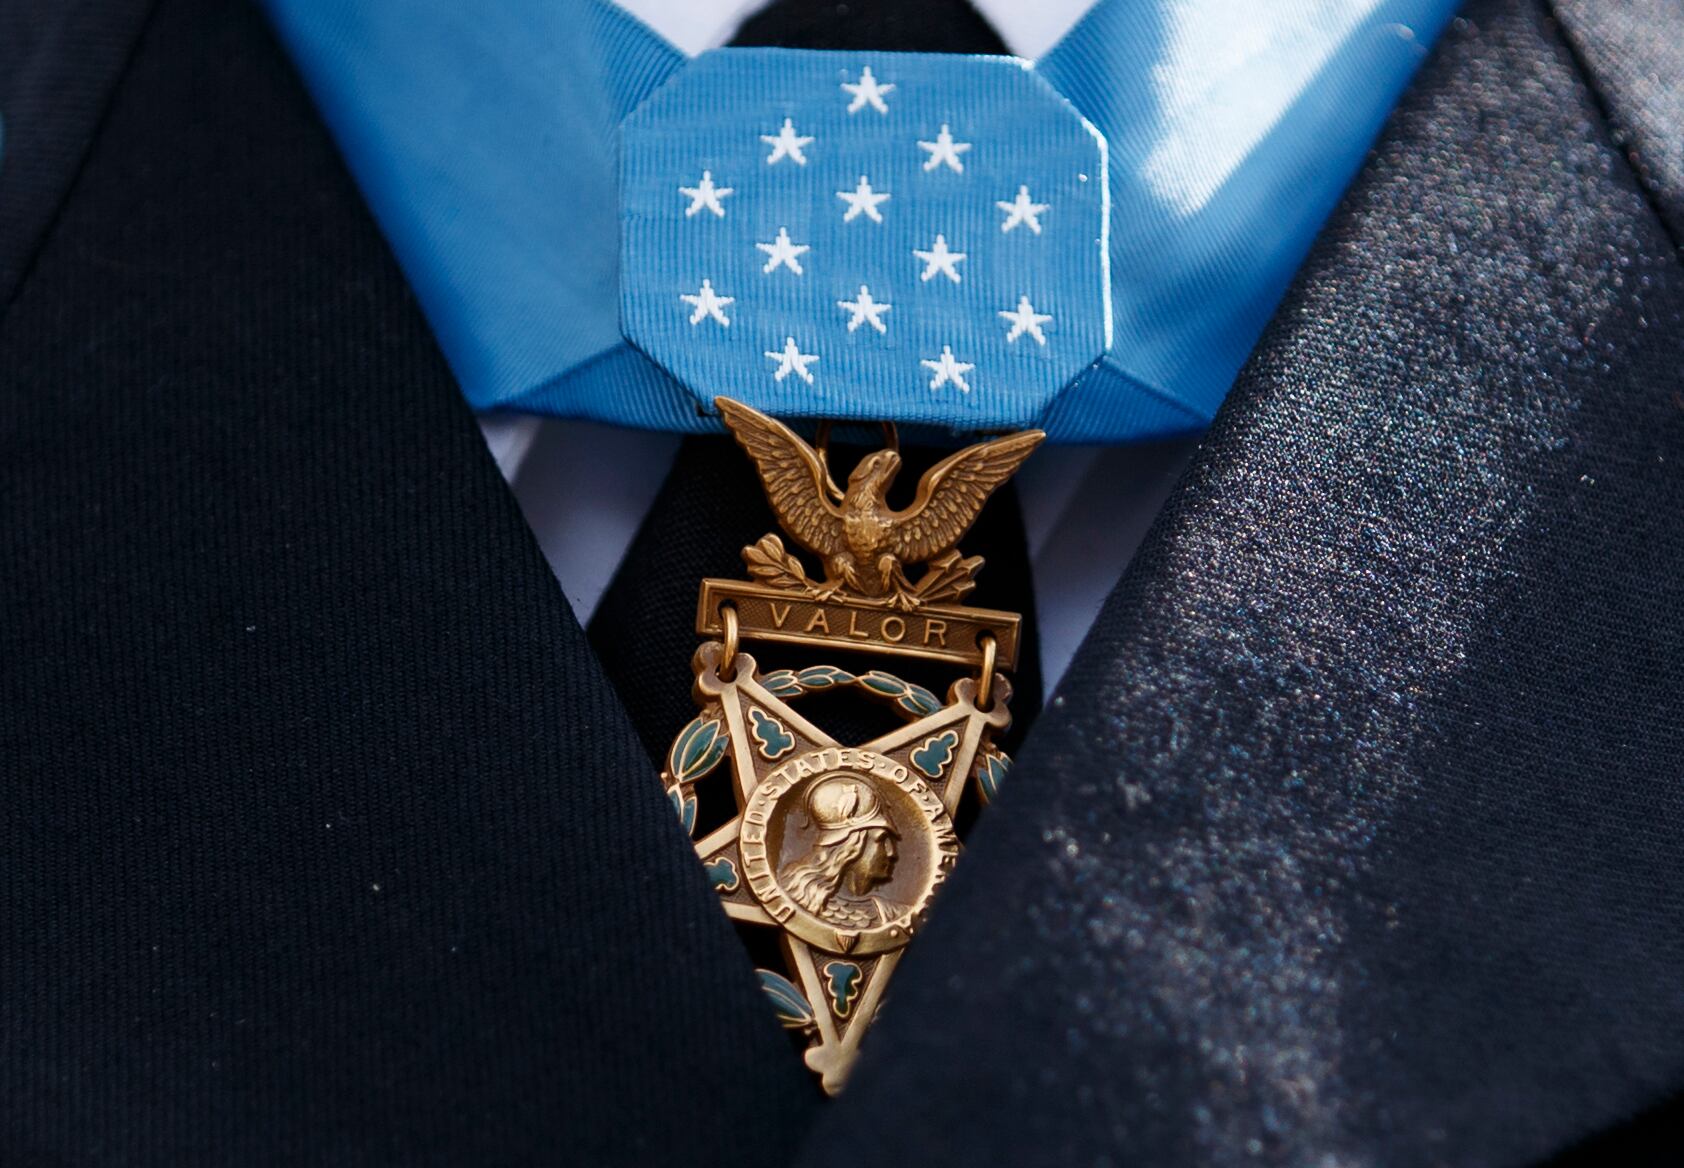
(59, 60)
(1346, 838)
(325, 837)
(1633, 57)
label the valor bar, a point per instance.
(930, 631)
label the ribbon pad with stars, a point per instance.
(914, 237)
(499, 168)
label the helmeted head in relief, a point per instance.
(853, 853)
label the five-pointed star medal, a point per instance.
(945, 151)
(708, 303)
(842, 847)
(786, 144)
(939, 259)
(862, 200)
(705, 196)
(842, 965)
(1021, 210)
(865, 310)
(867, 91)
(781, 252)
(791, 360)
(1026, 320)
(948, 369)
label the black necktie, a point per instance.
(711, 505)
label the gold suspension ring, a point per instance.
(821, 446)
(728, 659)
(985, 686)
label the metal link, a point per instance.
(728, 659)
(821, 445)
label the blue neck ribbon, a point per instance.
(486, 139)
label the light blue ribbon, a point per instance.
(484, 138)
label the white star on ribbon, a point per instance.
(862, 200)
(867, 92)
(1021, 210)
(947, 369)
(939, 259)
(705, 196)
(792, 360)
(708, 303)
(782, 253)
(1026, 320)
(945, 150)
(865, 310)
(786, 144)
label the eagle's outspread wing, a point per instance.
(794, 478)
(952, 492)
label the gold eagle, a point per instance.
(865, 544)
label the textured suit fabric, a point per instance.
(1352, 836)
(1634, 54)
(323, 839)
(58, 62)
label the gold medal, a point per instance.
(842, 846)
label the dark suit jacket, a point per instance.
(1352, 837)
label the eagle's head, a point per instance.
(874, 474)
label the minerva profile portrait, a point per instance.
(854, 853)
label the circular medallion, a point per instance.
(845, 848)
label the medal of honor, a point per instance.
(912, 238)
(841, 846)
